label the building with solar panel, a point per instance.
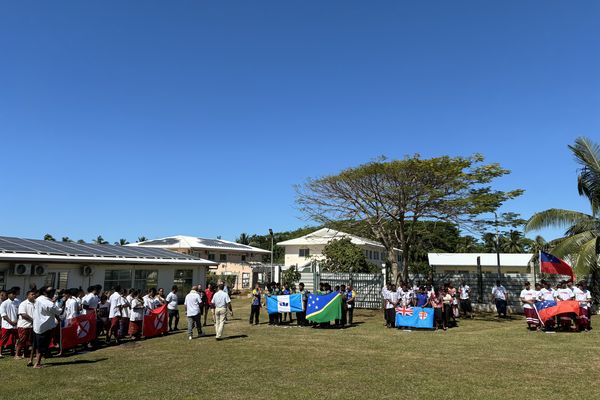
(28, 262)
(240, 260)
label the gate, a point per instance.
(367, 286)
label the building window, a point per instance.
(2, 280)
(243, 258)
(245, 280)
(211, 257)
(58, 280)
(183, 280)
(376, 255)
(223, 257)
(370, 254)
(117, 277)
(145, 278)
(304, 252)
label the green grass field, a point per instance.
(482, 359)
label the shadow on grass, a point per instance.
(76, 362)
(234, 337)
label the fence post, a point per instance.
(479, 281)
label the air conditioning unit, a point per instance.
(21, 269)
(87, 270)
(39, 269)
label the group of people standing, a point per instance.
(447, 301)
(259, 300)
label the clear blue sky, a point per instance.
(157, 118)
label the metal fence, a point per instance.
(367, 286)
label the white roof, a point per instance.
(103, 260)
(197, 243)
(487, 259)
(325, 235)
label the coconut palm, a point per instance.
(66, 239)
(100, 240)
(49, 237)
(582, 230)
(122, 242)
(243, 239)
(513, 242)
(142, 239)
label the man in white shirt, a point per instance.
(151, 301)
(173, 308)
(222, 302)
(391, 301)
(9, 314)
(192, 304)
(45, 313)
(528, 299)
(500, 296)
(563, 293)
(25, 325)
(584, 297)
(71, 304)
(91, 300)
(464, 294)
(114, 314)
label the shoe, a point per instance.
(190, 338)
(202, 334)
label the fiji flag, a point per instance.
(414, 317)
(323, 308)
(284, 303)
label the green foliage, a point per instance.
(49, 237)
(121, 242)
(341, 255)
(100, 240)
(290, 276)
(213, 279)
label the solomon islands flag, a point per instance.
(284, 303)
(324, 307)
(415, 317)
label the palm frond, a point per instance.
(587, 154)
(555, 218)
(572, 244)
(587, 258)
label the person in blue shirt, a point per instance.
(422, 298)
(256, 305)
(350, 300)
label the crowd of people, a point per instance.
(32, 327)
(259, 300)
(447, 301)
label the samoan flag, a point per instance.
(550, 264)
(285, 303)
(549, 308)
(414, 317)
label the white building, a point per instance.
(304, 250)
(28, 262)
(457, 263)
(231, 258)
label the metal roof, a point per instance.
(197, 243)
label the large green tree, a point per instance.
(341, 255)
(580, 242)
(391, 196)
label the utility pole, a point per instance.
(497, 244)
(272, 270)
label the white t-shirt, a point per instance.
(9, 308)
(90, 300)
(564, 294)
(192, 303)
(547, 294)
(115, 301)
(26, 307)
(584, 297)
(151, 303)
(221, 299)
(71, 308)
(499, 292)
(527, 295)
(392, 298)
(44, 314)
(172, 301)
(126, 311)
(137, 310)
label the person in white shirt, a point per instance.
(391, 301)
(563, 293)
(222, 302)
(45, 313)
(500, 296)
(151, 301)
(464, 294)
(192, 305)
(125, 313)
(89, 302)
(116, 302)
(584, 297)
(71, 305)
(9, 314)
(528, 298)
(25, 325)
(384, 294)
(173, 308)
(136, 315)
(547, 293)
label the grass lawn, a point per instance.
(482, 359)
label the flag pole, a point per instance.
(534, 268)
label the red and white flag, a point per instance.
(156, 321)
(78, 330)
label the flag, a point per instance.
(324, 307)
(284, 303)
(549, 308)
(554, 265)
(78, 330)
(155, 321)
(415, 317)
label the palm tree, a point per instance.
(66, 239)
(582, 230)
(243, 239)
(468, 244)
(142, 239)
(49, 237)
(100, 240)
(81, 241)
(513, 243)
(122, 242)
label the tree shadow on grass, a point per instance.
(76, 362)
(234, 337)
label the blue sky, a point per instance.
(159, 118)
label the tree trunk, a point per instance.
(393, 261)
(405, 264)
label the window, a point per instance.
(245, 280)
(145, 278)
(243, 258)
(58, 280)
(370, 254)
(120, 277)
(223, 257)
(304, 253)
(376, 255)
(183, 280)
(2, 280)
(211, 257)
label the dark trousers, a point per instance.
(389, 317)
(301, 318)
(173, 315)
(501, 307)
(350, 314)
(254, 314)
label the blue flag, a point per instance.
(284, 303)
(415, 317)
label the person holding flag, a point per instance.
(584, 297)
(563, 293)
(528, 298)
